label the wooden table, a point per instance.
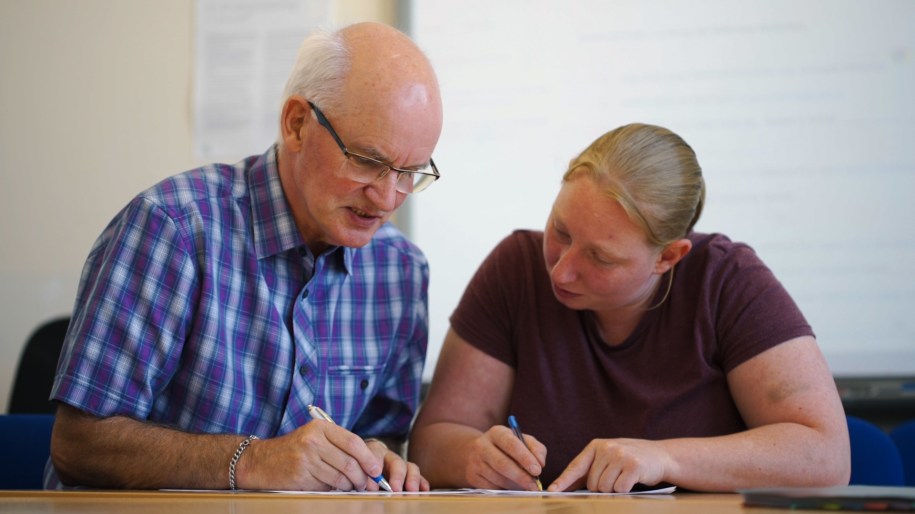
(141, 502)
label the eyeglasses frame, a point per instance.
(324, 122)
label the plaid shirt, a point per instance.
(195, 310)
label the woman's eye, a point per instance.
(603, 261)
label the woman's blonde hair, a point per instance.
(654, 175)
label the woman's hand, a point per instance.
(499, 460)
(615, 466)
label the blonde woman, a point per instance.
(631, 349)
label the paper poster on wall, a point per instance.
(244, 50)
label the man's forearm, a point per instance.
(120, 452)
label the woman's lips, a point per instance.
(564, 294)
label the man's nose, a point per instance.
(383, 192)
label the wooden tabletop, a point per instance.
(142, 502)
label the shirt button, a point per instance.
(303, 370)
(304, 294)
(364, 384)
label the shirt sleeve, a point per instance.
(755, 311)
(132, 311)
(487, 313)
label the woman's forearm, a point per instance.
(781, 454)
(440, 450)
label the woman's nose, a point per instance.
(563, 270)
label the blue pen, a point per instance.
(513, 423)
(318, 413)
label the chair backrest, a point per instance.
(904, 437)
(25, 444)
(37, 365)
(874, 458)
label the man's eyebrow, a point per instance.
(375, 154)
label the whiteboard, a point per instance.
(802, 114)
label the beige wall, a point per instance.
(95, 105)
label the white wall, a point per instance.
(95, 105)
(802, 113)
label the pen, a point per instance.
(513, 423)
(318, 413)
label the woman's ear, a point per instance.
(671, 255)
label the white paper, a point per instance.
(438, 492)
(583, 492)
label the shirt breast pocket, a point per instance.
(349, 388)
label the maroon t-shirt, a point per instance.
(668, 379)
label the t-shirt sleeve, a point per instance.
(755, 311)
(487, 314)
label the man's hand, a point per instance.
(318, 456)
(401, 475)
(321, 456)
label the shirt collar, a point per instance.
(275, 230)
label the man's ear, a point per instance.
(292, 120)
(671, 255)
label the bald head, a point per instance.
(379, 102)
(366, 69)
(388, 70)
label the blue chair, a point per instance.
(25, 445)
(904, 437)
(874, 457)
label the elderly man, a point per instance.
(221, 304)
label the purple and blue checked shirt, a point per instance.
(195, 310)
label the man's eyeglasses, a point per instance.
(367, 169)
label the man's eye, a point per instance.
(365, 162)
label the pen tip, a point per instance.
(539, 485)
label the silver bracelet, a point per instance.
(240, 450)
